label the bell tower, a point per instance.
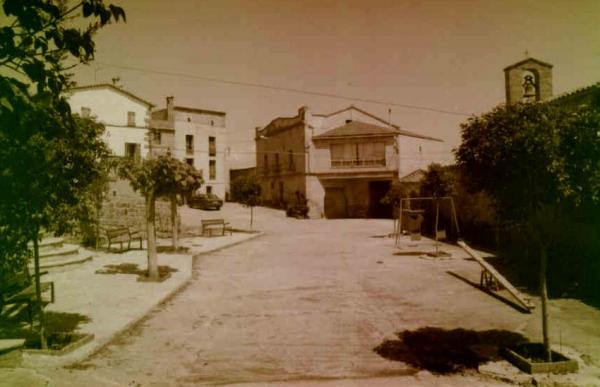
(529, 80)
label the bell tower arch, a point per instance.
(529, 80)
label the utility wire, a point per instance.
(289, 89)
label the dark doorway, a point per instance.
(377, 190)
(335, 203)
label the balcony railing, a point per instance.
(357, 163)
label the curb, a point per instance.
(143, 316)
(199, 254)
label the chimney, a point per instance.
(303, 112)
(170, 107)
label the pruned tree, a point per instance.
(153, 178)
(46, 157)
(246, 190)
(536, 161)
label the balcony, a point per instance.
(358, 163)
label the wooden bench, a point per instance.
(121, 235)
(217, 225)
(19, 288)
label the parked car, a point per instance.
(205, 201)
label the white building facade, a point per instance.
(198, 137)
(343, 162)
(125, 116)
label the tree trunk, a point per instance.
(251, 216)
(544, 297)
(38, 291)
(151, 236)
(98, 210)
(174, 231)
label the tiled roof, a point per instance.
(113, 87)
(401, 132)
(414, 177)
(195, 110)
(358, 129)
(576, 92)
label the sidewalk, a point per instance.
(115, 302)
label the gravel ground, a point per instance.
(307, 304)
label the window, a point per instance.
(130, 118)
(212, 169)
(132, 151)
(85, 111)
(190, 161)
(189, 144)
(266, 164)
(212, 146)
(276, 162)
(350, 155)
(156, 136)
(208, 189)
(291, 165)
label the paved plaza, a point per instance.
(306, 304)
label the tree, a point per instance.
(246, 190)
(46, 157)
(537, 161)
(83, 218)
(178, 179)
(438, 181)
(153, 178)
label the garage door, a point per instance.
(335, 203)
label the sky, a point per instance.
(439, 55)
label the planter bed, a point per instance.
(530, 358)
(59, 343)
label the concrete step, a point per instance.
(48, 243)
(63, 262)
(65, 250)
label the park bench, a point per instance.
(121, 235)
(214, 225)
(19, 288)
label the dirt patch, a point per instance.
(447, 351)
(60, 329)
(133, 268)
(170, 249)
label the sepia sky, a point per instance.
(445, 55)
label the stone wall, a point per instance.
(124, 207)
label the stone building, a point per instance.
(342, 162)
(197, 136)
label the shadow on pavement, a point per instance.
(447, 351)
(491, 293)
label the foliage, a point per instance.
(47, 158)
(297, 206)
(438, 181)
(396, 192)
(533, 158)
(161, 176)
(246, 190)
(82, 218)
